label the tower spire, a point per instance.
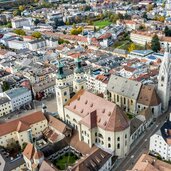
(164, 83)
(78, 68)
(60, 72)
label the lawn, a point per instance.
(66, 160)
(102, 24)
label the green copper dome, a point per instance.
(78, 68)
(60, 74)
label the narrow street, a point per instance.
(141, 147)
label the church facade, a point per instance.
(103, 122)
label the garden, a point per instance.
(66, 160)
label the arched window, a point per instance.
(131, 102)
(109, 145)
(124, 100)
(117, 98)
(75, 120)
(100, 135)
(65, 93)
(67, 116)
(118, 138)
(118, 146)
(109, 138)
(125, 135)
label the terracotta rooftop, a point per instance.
(47, 166)
(148, 96)
(81, 146)
(129, 69)
(149, 163)
(21, 124)
(94, 161)
(57, 124)
(105, 36)
(72, 38)
(108, 115)
(31, 153)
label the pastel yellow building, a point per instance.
(23, 129)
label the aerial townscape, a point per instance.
(85, 85)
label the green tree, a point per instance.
(37, 34)
(9, 25)
(131, 47)
(21, 7)
(16, 12)
(145, 15)
(20, 32)
(155, 43)
(76, 31)
(68, 22)
(36, 21)
(167, 32)
(5, 86)
(74, 26)
(141, 27)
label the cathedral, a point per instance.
(103, 122)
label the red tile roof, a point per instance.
(148, 96)
(72, 37)
(21, 124)
(109, 116)
(31, 153)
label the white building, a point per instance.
(19, 97)
(20, 22)
(96, 83)
(164, 82)
(16, 44)
(36, 44)
(160, 142)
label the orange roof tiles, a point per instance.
(109, 116)
(29, 151)
(148, 96)
(72, 37)
(57, 124)
(149, 163)
(21, 124)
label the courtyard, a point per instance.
(66, 160)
